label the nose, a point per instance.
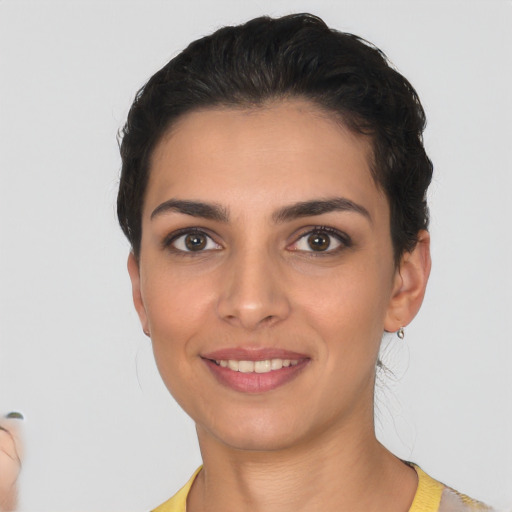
(253, 291)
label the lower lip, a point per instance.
(255, 382)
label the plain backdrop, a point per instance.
(102, 433)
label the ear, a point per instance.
(409, 286)
(134, 271)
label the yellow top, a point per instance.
(431, 496)
(428, 494)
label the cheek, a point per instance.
(176, 304)
(349, 319)
(351, 301)
(177, 309)
(347, 311)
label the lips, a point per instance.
(257, 370)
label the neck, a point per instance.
(349, 470)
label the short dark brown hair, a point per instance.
(269, 59)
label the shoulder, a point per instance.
(434, 496)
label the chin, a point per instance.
(258, 435)
(258, 441)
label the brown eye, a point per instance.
(319, 241)
(192, 241)
(195, 241)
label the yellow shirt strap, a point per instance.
(428, 494)
(178, 503)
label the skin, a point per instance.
(310, 443)
(10, 463)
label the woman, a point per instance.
(273, 192)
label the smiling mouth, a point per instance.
(255, 371)
(265, 366)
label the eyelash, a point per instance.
(344, 240)
(176, 235)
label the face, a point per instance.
(266, 274)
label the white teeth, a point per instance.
(233, 365)
(264, 366)
(246, 366)
(276, 364)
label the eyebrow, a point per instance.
(318, 207)
(216, 212)
(209, 211)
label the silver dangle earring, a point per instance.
(401, 333)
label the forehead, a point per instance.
(284, 150)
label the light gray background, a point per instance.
(102, 433)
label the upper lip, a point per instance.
(256, 354)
